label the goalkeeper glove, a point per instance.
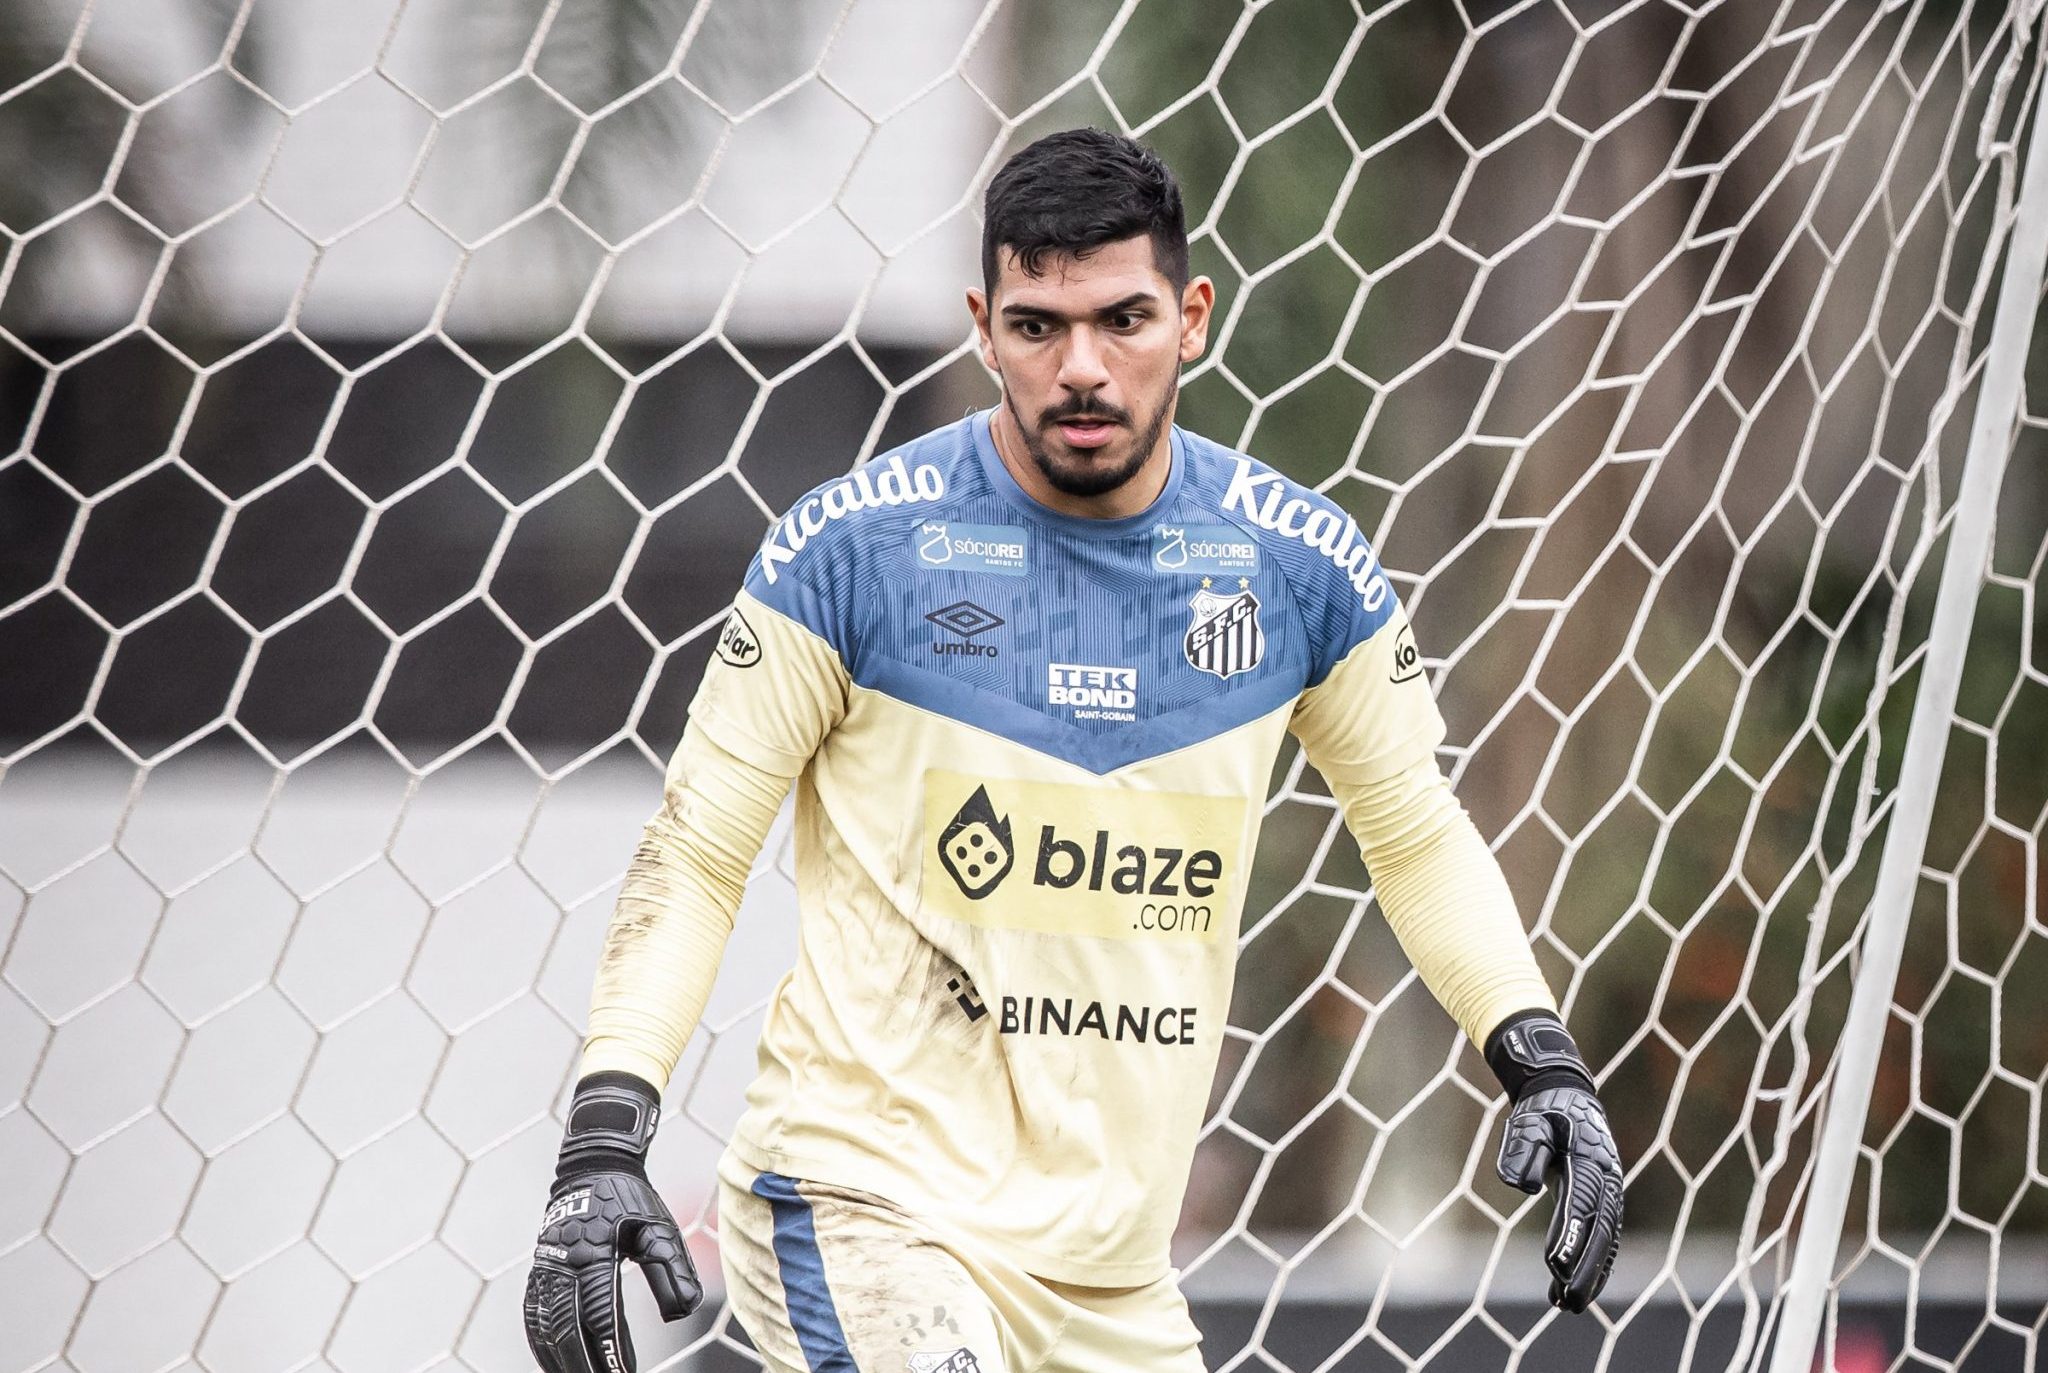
(1557, 1131)
(602, 1209)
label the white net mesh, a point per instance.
(391, 394)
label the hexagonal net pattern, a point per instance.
(392, 393)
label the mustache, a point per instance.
(1081, 407)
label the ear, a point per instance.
(977, 306)
(1197, 302)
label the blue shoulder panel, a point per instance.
(942, 584)
(1340, 590)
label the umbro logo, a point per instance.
(969, 621)
(965, 618)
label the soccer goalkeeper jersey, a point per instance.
(1031, 753)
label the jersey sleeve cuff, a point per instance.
(605, 1054)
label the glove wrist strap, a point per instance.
(1532, 1050)
(612, 1119)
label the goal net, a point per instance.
(392, 393)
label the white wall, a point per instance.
(830, 150)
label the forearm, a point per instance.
(1445, 898)
(676, 908)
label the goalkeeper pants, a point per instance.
(831, 1280)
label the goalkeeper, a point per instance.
(1028, 675)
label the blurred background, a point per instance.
(391, 395)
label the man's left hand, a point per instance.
(1557, 1133)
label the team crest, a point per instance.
(1225, 638)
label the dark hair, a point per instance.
(1072, 192)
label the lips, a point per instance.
(1087, 433)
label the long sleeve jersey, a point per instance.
(1030, 754)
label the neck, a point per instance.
(1133, 496)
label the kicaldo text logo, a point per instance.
(1109, 862)
(886, 481)
(1264, 498)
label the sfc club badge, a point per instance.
(1225, 638)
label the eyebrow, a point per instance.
(1115, 307)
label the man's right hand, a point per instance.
(601, 1210)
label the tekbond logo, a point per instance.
(975, 848)
(1216, 550)
(737, 643)
(1098, 861)
(1262, 498)
(1224, 637)
(969, 621)
(888, 481)
(949, 547)
(1093, 693)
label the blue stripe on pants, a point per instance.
(811, 1313)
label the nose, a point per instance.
(1081, 365)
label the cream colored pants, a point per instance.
(836, 1281)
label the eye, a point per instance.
(1033, 328)
(1124, 321)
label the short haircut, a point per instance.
(1072, 192)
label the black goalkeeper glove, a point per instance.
(602, 1209)
(1558, 1132)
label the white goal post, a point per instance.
(391, 394)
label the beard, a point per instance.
(1098, 471)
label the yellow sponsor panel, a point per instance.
(1109, 862)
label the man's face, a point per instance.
(1089, 352)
